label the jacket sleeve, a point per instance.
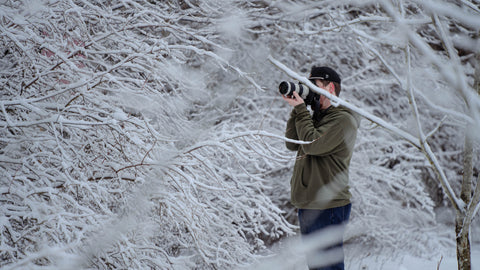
(291, 132)
(325, 138)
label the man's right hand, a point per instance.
(295, 100)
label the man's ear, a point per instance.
(331, 88)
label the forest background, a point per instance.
(149, 134)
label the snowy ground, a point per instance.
(407, 263)
(288, 256)
(413, 263)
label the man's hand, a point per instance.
(295, 100)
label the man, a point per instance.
(319, 185)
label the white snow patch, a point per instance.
(232, 25)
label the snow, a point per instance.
(156, 128)
(411, 262)
(289, 256)
(232, 25)
(120, 115)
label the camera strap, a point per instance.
(318, 113)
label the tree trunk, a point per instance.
(462, 227)
(463, 244)
(462, 222)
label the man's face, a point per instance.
(320, 84)
(324, 101)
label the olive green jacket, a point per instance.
(320, 174)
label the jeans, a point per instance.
(312, 221)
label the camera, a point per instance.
(287, 89)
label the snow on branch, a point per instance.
(110, 132)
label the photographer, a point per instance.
(319, 185)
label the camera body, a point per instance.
(287, 89)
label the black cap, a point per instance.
(324, 73)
